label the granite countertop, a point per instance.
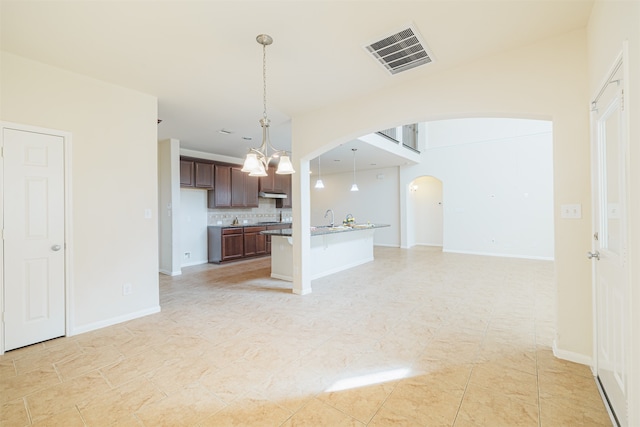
(317, 231)
(253, 224)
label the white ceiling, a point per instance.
(202, 62)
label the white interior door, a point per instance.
(33, 200)
(610, 242)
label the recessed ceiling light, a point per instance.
(224, 132)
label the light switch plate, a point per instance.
(573, 211)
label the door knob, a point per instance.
(56, 248)
(595, 255)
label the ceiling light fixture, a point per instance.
(319, 183)
(257, 160)
(354, 187)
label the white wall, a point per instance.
(376, 202)
(114, 180)
(193, 227)
(169, 206)
(610, 24)
(546, 80)
(497, 177)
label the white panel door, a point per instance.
(610, 242)
(34, 302)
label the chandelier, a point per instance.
(258, 159)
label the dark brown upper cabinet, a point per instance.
(186, 173)
(244, 189)
(221, 197)
(204, 176)
(198, 174)
(234, 188)
(285, 187)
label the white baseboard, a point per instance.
(436, 245)
(571, 356)
(112, 321)
(282, 277)
(171, 273)
(386, 245)
(192, 263)
(340, 268)
(453, 251)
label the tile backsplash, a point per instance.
(266, 211)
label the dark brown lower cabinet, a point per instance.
(225, 244)
(232, 243)
(254, 242)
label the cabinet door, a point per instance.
(232, 246)
(255, 243)
(237, 188)
(251, 191)
(261, 244)
(280, 182)
(186, 173)
(250, 243)
(285, 203)
(267, 182)
(222, 193)
(204, 175)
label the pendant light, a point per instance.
(319, 183)
(354, 187)
(257, 160)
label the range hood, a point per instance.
(269, 195)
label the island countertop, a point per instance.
(332, 249)
(318, 231)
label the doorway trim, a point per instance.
(621, 60)
(68, 224)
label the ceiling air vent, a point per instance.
(401, 51)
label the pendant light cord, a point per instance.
(354, 165)
(264, 80)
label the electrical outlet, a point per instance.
(127, 289)
(187, 255)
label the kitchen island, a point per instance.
(333, 249)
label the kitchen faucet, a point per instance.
(332, 218)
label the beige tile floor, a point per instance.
(415, 338)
